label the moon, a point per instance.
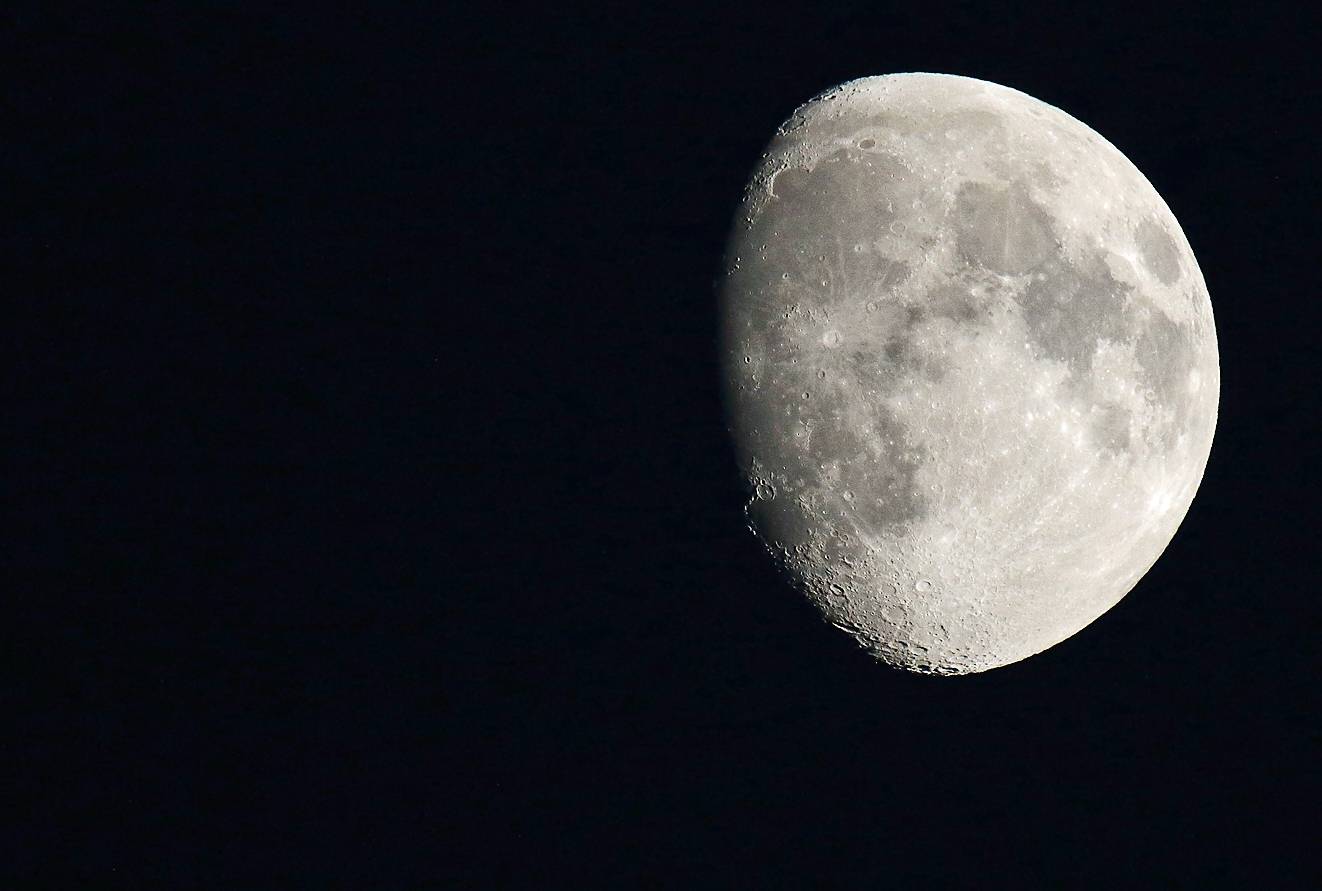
(970, 368)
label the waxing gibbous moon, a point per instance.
(970, 364)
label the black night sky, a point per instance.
(371, 520)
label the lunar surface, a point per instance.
(970, 364)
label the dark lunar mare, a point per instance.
(808, 252)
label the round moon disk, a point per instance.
(971, 368)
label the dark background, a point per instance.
(371, 520)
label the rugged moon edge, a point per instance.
(970, 368)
